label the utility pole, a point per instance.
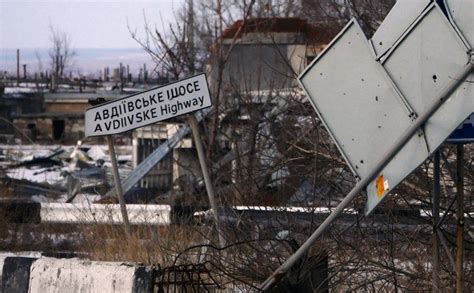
(460, 217)
(121, 77)
(61, 66)
(55, 75)
(17, 67)
(129, 76)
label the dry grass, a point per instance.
(150, 245)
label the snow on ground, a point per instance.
(85, 212)
(19, 90)
(87, 198)
(34, 254)
(124, 158)
(21, 152)
(97, 153)
(39, 175)
(57, 175)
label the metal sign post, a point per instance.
(281, 271)
(387, 116)
(205, 174)
(118, 185)
(460, 218)
(435, 211)
(158, 154)
(174, 99)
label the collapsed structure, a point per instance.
(257, 76)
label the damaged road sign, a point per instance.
(357, 102)
(449, 102)
(171, 100)
(368, 103)
(421, 64)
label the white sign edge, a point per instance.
(416, 23)
(353, 21)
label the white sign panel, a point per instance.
(356, 100)
(401, 16)
(171, 100)
(368, 104)
(421, 65)
(461, 13)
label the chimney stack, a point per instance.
(18, 67)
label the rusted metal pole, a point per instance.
(281, 271)
(205, 174)
(118, 185)
(460, 218)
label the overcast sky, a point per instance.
(89, 23)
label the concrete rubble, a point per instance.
(58, 173)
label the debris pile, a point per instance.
(57, 174)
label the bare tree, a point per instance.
(369, 13)
(61, 53)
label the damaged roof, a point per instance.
(316, 33)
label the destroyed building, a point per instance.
(61, 119)
(178, 166)
(267, 53)
(260, 90)
(13, 104)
